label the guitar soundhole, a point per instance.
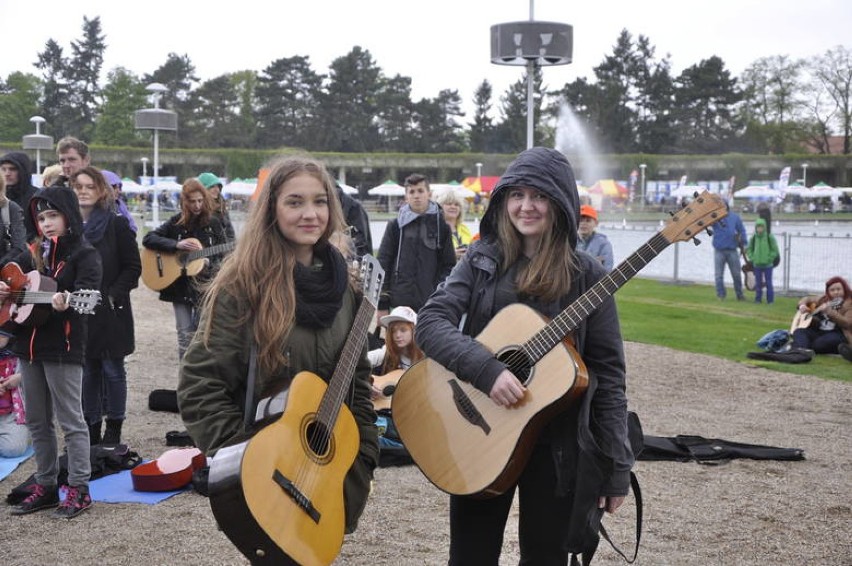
(518, 363)
(319, 439)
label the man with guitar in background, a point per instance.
(825, 322)
(194, 228)
(528, 254)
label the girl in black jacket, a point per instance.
(528, 255)
(111, 335)
(52, 353)
(195, 227)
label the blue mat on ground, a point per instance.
(118, 488)
(8, 465)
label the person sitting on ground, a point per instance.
(14, 436)
(591, 241)
(831, 320)
(453, 206)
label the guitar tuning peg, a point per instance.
(709, 231)
(696, 241)
(671, 213)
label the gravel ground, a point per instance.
(743, 512)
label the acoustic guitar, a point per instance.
(804, 319)
(170, 472)
(279, 495)
(160, 269)
(386, 384)
(460, 439)
(29, 290)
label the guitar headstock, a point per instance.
(84, 301)
(372, 278)
(704, 211)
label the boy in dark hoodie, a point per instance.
(52, 353)
(16, 167)
(417, 251)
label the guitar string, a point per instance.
(545, 339)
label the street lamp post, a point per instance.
(805, 174)
(38, 141)
(642, 184)
(478, 170)
(144, 161)
(156, 119)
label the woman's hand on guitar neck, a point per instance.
(59, 303)
(507, 389)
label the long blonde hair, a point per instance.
(259, 273)
(549, 273)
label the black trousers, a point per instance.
(477, 525)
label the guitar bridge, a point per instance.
(297, 496)
(466, 408)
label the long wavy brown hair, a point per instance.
(259, 273)
(189, 188)
(548, 275)
(106, 197)
(393, 355)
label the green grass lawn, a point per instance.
(692, 319)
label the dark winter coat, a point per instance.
(75, 265)
(13, 237)
(165, 239)
(23, 191)
(111, 332)
(589, 442)
(359, 223)
(417, 253)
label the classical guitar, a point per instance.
(804, 319)
(29, 290)
(170, 472)
(386, 384)
(466, 444)
(279, 495)
(161, 269)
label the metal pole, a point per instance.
(155, 206)
(530, 116)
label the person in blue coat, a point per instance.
(728, 236)
(591, 241)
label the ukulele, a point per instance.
(460, 439)
(279, 495)
(28, 290)
(170, 472)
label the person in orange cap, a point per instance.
(592, 242)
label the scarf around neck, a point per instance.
(95, 227)
(320, 288)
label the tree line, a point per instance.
(633, 104)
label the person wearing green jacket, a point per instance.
(282, 303)
(762, 252)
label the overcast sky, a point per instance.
(438, 43)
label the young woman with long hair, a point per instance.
(527, 255)
(831, 320)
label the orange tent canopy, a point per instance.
(480, 184)
(609, 188)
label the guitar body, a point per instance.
(386, 384)
(170, 472)
(161, 269)
(27, 314)
(483, 456)
(269, 522)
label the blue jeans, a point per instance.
(763, 277)
(186, 323)
(104, 389)
(731, 258)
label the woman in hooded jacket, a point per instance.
(527, 254)
(52, 353)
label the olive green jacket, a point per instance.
(212, 387)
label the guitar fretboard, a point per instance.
(212, 250)
(568, 320)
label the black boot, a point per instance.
(95, 433)
(112, 435)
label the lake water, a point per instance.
(811, 253)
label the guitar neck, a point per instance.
(569, 319)
(339, 385)
(212, 250)
(26, 297)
